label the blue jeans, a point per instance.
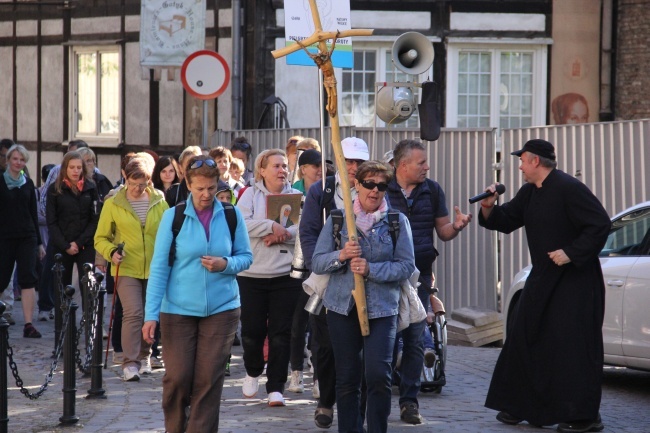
(349, 348)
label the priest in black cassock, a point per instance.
(550, 368)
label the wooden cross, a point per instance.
(323, 60)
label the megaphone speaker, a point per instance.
(395, 104)
(412, 53)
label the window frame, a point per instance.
(539, 50)
(97, 139)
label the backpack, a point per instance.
(179, 219)
(328, 195)
(337, 224)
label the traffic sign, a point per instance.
(205, 74)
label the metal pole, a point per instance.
(204, 135)
(96, 390)
(57, 269)
(4, 332)
(69, 374)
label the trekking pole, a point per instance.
(120, 248)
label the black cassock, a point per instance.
(550, 368)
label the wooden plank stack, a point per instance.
(474, 326)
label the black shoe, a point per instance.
(506, 418)
(236, 342)
(323, 417)
(30, 332)
(409, 413)
(581, 426)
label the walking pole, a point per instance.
(120, 248)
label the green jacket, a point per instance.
(118, 223)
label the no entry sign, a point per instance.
(205, 74)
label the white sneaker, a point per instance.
(251, 386)
(276, 399)
(296, 385)
(315, 391)
(131, 374)
(145, 366)
(43, 316)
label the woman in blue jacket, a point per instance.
(383, 264)
(196, 301)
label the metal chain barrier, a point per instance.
(90, 293)
(53, 366)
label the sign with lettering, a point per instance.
(170, 30)
(299, 24)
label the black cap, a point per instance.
(222, 186)
(310, 156)
(539, 147)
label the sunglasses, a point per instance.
(202, 162)
(368, 184)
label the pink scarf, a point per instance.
(365, 221)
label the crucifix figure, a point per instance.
(323, 59)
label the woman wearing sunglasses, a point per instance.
(196, 301)
(383, 264)
(268, 293)
(132, 217)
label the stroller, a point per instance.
(433, 378)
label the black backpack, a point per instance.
(337, 224)
(179, 219)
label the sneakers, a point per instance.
(118, 357)
(276, 399)
(145, 366)
(296, 385)
(52, 314)
(43, 316)
(315, 391)
(429, 357)
(131, 374)
(409, 413)
(9, 318)
(156, 362)
(30, 332)
(251, 386)
(323, 417)
(227, 373)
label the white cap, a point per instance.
(355, 148)
(388, 157)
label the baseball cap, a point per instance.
(310, 156)
(539, 147)
(388, 157)
(222, 186)
(355, 148)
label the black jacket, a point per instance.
(71, 217)
(177, 193)
(18, 216)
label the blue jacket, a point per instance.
(422, 217)
(387, 268)
(188, 288)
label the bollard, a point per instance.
(96, 390)
(57, 269)
(4, 330)
(69, 370)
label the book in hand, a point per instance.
(284, 209)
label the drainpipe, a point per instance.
(236, 65)
(606, 112)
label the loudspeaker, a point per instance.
(412, 53)
(395, 104)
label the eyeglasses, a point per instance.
(202, 162)
(136, 185)
(368, 184)
(241, 146)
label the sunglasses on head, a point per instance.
(368, 184)
(202, 162)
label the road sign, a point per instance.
(205, 74)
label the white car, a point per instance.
(626, 268)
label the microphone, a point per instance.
(500, 190)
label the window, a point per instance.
(630, 235)
(372, 63)
(96, 93)
(496, 86)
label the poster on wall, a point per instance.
(299, 24)
(171, 30)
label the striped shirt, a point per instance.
(140, 207)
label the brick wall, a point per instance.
(632, 97)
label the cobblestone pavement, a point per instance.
(136, 406)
